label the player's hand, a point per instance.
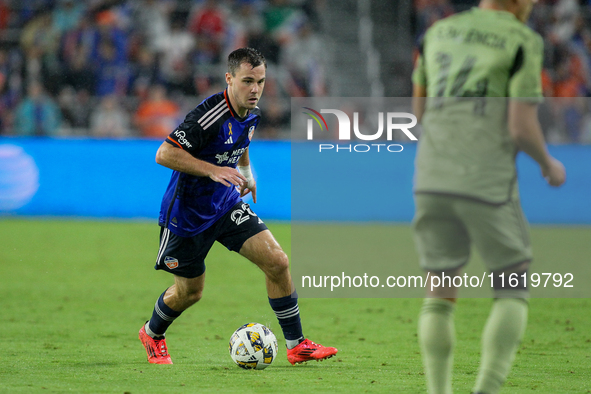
(249, 188)
(554, 173)
(227, 176)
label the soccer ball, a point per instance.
(253, 346)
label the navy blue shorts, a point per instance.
(185, 256)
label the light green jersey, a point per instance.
(469, 64)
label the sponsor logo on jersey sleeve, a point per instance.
(182, 138)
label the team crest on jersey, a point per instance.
(250, 132)
(171, 262)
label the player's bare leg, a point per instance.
(264, 251)
(184, 293)
(437, 335)
(180, 296)
(502, 333)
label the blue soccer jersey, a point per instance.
(214, 133)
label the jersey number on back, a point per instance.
(444, 61)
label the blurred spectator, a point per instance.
(282, 20)
(568, 75)
(145, 73)
(566, 85)
(276, 14)
(109, 119)
(207, 23)
(582, 33)
(565, 13)
(157, 116)
(243, 23)
(540, 18)
(37, 114)
(303, 57)
(175, 66)
(65, 101)
(77, 47)
(4, 14)
(40, 43)
(80, 74)
(29, 8)
(204, 53)
(275, 120)
(75, 107)
(82, 108)
(67, 14)
(265, 44)
(109, 31)
(113, 74)
(151, 18)
(110, 57)
(206, 66)
(309, 7)
(430, 11)
(10, 86)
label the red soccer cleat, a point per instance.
(156, 348)
(308, 350)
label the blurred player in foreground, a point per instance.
(203, 204)
(480, 72)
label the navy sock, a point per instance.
(162, 317)
(288, 313)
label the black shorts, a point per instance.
(185, 256)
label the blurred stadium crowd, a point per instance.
(134, 68)
(565, 26)
(107, 68)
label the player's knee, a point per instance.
(282, 260)
(279, 263)
(192, 296)
(511, 283)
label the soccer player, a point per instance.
(476, 87)
(203, 204)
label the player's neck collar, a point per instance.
(499, 11)
(232, 111)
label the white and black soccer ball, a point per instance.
(253, 346)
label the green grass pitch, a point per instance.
(75, 293)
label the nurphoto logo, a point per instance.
(344, 130)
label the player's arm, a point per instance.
(419, 92)
(250, 186)
(526, 132)
(419, 83)
(180, 160)
(525, 86)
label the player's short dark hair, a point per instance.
(245, 55)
